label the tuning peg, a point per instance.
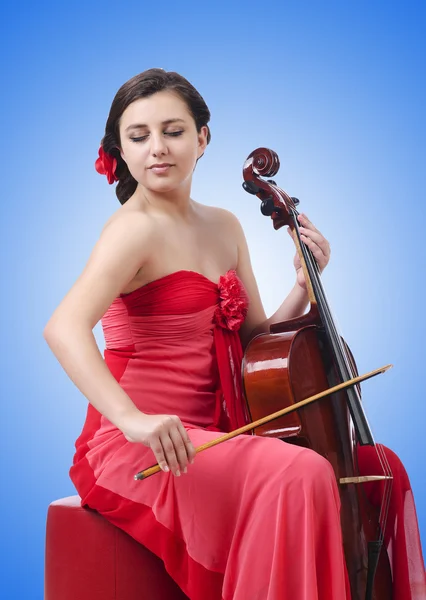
(267, 207)
(295, 200)
(251, 187)
(271, 181)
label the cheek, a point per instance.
(136, 160)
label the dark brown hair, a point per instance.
(142, 86)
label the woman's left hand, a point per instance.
(316, 242)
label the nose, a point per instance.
(158, 145)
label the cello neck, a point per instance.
(340, 357)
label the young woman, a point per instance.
(171, 280)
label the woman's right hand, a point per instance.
(165, 435)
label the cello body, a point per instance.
(281, 369)
(297, 359)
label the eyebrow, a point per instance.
(140, 125)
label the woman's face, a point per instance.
(160, 129)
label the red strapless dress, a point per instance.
(254, 518)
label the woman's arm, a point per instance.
(118, 255)
(296, 302)
(75, 347)
(293, 306)
(115, 260)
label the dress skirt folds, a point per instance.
(254, 518)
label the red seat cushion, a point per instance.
(87, 558)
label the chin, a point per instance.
(163, 186)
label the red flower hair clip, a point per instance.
(106, 165)
(233, 302)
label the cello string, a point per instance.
(323, 302)
(320, 295)
(315, 277)
(343, 363)
(325, 305)
(387, 491)
(384, 507)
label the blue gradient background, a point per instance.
(336, 89)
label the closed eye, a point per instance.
(141, 139)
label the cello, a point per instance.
(298, 358)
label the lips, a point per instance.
(161, 170)
(159, 166)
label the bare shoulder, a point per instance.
(126, 232)
(125, 216)
(120, 252)
(229, 222)
(224, 218)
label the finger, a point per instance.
(303, 219)
(190, 450)
(157, 449)
(170, 454)
(318, 238)
(316, 251)
(180, 448)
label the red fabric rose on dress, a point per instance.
(106, 165)
(233, 302)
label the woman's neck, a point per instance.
(176, 203)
